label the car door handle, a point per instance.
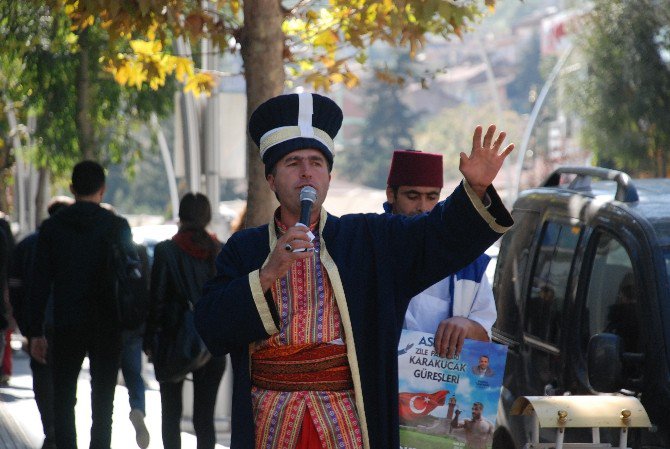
(551, 390)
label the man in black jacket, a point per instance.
(21, 281)
(71, 257)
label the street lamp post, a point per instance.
(535, 112)
(167, 162)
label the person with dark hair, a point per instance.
(461, 305)
(310, 306)
(7, 322)
(181, 267)
(131, 360)
(21, 279)
(482, 369)
(8, 312)
(131, 367)
(71, 258)
(478, 430)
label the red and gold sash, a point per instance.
(307, 367)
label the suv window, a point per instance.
(544, 309)
(612, 296)
(511, 269)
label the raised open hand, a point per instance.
(485, 160)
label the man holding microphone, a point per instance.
(313, 334)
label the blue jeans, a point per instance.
(131, 367)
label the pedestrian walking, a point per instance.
(72, 254)
(131, 368)
(21, 280)
(6, 360)
(131, 361)
(181, 266)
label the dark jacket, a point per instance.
(170, 293)
(376, 264)
(6, 240)
(21, 280)
(71, 256)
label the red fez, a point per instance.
(415, 168)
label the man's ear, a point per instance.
(271, 182)
(72, 190)
(390, 196)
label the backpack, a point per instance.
(129, 291)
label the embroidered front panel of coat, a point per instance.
(308, 314)
(306, 305)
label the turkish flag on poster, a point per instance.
(415, 405)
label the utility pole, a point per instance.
(169, 166)
(535, 112)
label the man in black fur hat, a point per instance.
(311, 313)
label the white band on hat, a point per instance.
(305, 112)
(284, 133)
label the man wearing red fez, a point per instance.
(461, 305)
(313, 334)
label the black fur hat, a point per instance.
(295, 122)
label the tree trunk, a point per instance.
(262, 48)
(85, 134)
(5, 175)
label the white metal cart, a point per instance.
(563, 412)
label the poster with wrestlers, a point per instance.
(448, 403)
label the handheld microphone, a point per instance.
(307, 198)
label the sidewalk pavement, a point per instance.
(21, 428)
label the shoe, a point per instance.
(141, 433)
(4, 379)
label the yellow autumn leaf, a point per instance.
(137, 74)
(351, 80)
(336, 78)
(121, 74)
(156, 74)
(327, 62)
(147, 48)
(156, 82)
(235, 7)
(200, 83)
(151, 32)
(183, 68)
(305, 65)
(326, 39)
(293, 26)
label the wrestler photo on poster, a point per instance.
(448, 403)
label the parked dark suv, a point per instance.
(583, 297)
